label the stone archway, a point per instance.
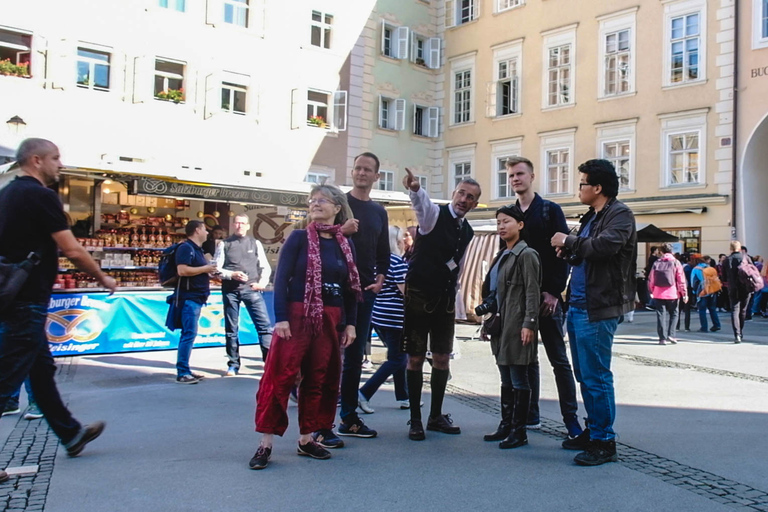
(753, 192)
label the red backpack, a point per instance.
(749, 276)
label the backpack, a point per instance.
(166, 269)
(664, 273)
(749, 276)
(13, 276)
(711, 284)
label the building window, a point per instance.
(422, 181)
(617, 153)
(617, 56)
(93, 69)
(386, 180)
(394, 41)
(462, 96)
(764, 19)
(321, 29)
(502, 181)
(169, 80)
(559, 72)
(236, 12)
(391, 113)
(507, 90)
(461, 170)
(504, 5)
(16, 48)
(558, 171)
(684, 158)
(176, 5)
(685, 40)
(317, 108)
(316, 177)
(233, 98)
(425, 121)
(419, 51)
(466, 11)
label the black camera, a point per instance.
(488, 306)
(331, 290)
(573, 259)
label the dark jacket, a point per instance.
(731, 276)
(610, 252)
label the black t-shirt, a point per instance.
(29, 214)
(371, 239)
(196, 288)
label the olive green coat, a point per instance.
(518, 292)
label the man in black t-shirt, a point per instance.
(191, 294)
(33, 220)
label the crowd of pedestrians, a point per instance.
(346, 272)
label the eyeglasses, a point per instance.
(319, 200)
(582, 185)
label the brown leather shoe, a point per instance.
(444, 424)
(3, 476)
(416, 431)
(90, 432)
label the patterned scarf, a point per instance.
(313, 284)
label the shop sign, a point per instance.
(155, 187)
(758, 72)
(97, 323)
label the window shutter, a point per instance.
(433, 49)
(415, 108)
(298, 108)
(62, 68)
(258, 14)
(413, 47)
(340, 111)
(399, 114)
(212, 95)
(402, 42)
(117, 80)
(491, 93)
(143, 69)
(475, 9)
(450, 13)
(252, 99)
(515, 100)
(433, 113)
(214, 12)
(190, 86)
(383, 29)
(38, 57)
(381, 112)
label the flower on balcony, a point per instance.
(316, 121)
(10, 69)
(174, 95)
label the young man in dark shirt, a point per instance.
(33, 220)
(191, 294)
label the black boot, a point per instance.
(507, 406)
(518, 436)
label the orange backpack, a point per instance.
(712, 283)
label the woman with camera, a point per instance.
(512, 291)
(317, 287)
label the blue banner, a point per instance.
(98, 323)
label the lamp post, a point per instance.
(16, 125)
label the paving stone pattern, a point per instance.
(703, 483)
(649, 361)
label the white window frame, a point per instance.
(682, 123)
(559, 38)
(460, 65)
(415, 38)
(616, 132)
(556, 141)
(463, 155)
(613, 24)
(500, 151)
(423, 181)
(454, 12)
(92, 63)
(326, 29)
(430, 121)
(510, 53)
(20, 49)
(336, 109)
(234, 87)
(676, 10)
(391, 113)
(507, 5)
(399, 41)
(167, 75)
(173, 5)
(759, 24)
(316, 177)
(387, 180)
(242, 6)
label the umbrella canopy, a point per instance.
(650, 233)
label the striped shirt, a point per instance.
(389, 308)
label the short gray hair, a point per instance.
(241, 215)
(471, 181)
(33, 147)
(337, 197)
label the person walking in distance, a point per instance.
(191, 295)
(245, 273)
(603, 257)
(706, 285)
(542, 220)
(430, 295)
(738, 293)
(667, 286)
(33, 221)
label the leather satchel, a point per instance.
(492, 325)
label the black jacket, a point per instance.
(610, 251)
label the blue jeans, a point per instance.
(257, 309)
(394, 365)
(591, 344)
(514, 376)
(353, 359)
(708, 303)
(190, 315)
(24, 352)
(14, 398)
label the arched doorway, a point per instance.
(753, 192)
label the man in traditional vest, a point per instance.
(430, 295)
(245, 273)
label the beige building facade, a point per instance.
(646, 84)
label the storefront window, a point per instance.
(690, 239)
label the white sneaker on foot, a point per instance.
(363, 403)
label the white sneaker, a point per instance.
(406, 404)
(364, 405)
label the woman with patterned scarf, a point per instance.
(317, 288)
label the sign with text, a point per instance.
(155, 187)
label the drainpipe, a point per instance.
(735, 102)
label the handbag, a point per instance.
(13, 276)
(492, 324)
